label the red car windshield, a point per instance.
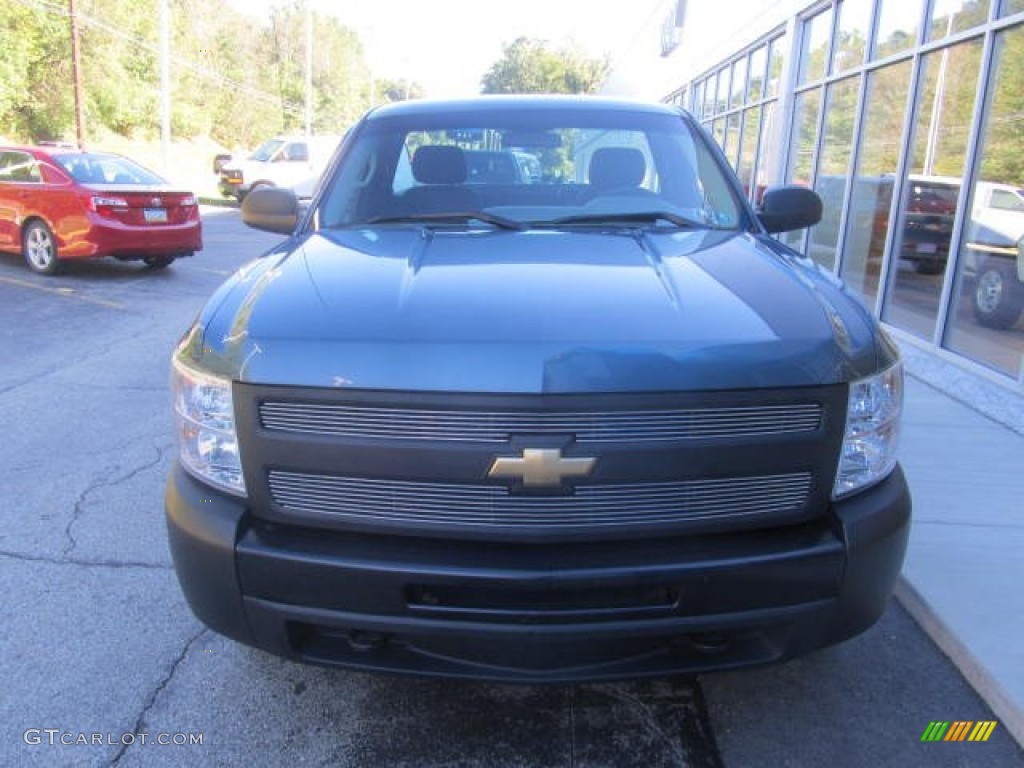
(87, 168)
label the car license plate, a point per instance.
(155, 215)
(927, 248)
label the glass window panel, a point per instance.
(854, 22)
(833, 167)
(951, 16)
(748, 148)
(776, 60)
(814, 46)
(805, 137)
(732, 138)
(898, 21)
(739, 83)
(867, 223)
(722, 95)
(984, 319)
(758, 59)
(709, 96)
(930, 193)
(802, 148)
(1010, 7)
(768, 149)
(718, 131)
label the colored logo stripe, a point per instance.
(958, 730)
(982, 731)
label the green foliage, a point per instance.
(35, 65)
(233, 78)
(532, 66)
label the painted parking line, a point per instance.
(70, 293)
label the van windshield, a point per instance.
(266, 150)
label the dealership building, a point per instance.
(907, 116)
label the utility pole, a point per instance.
(165, 85)
(76, 73)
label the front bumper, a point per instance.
(231, 187)
(529, 612)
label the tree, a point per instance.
(35, 70)
(532, 66)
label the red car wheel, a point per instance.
(40, 249)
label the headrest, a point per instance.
(438, 164)
(612, 167)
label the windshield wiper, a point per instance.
(640, 217)
(452, 217)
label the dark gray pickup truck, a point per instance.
(589, 422)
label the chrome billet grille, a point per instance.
(631, 504)
(640, 426)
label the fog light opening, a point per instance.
(365, 642)
(710, 643)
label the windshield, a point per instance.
(89, 168)
(266, 150)
(536, 167)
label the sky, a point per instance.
(448, 45)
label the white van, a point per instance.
(294, 162)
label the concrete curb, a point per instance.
(1002, 705)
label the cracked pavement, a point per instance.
(97, 640)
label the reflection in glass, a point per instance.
(739, 83)
(801, 153)
(697, 99)
(1010, 7)
(849, 47)
(718, 131)
(722, 95)
(767, 149)
(709, 96)
(898, 21)
(952, 16)
(732, 139)
(867, 223)
(758, 59)
(988, 297)
(833, 167)
(814, 46)
(748, 148)
(805, 135)
(931, 191)
(776, 58)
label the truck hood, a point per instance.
(538, 311)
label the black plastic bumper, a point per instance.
(537, 612)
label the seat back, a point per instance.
(616, 168)
(441, 173)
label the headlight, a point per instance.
(872, 431)
(205, 420)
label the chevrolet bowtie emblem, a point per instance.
(540, 467)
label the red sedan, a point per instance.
(60, 204)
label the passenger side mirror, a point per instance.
(271, 209)
(784, 209)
